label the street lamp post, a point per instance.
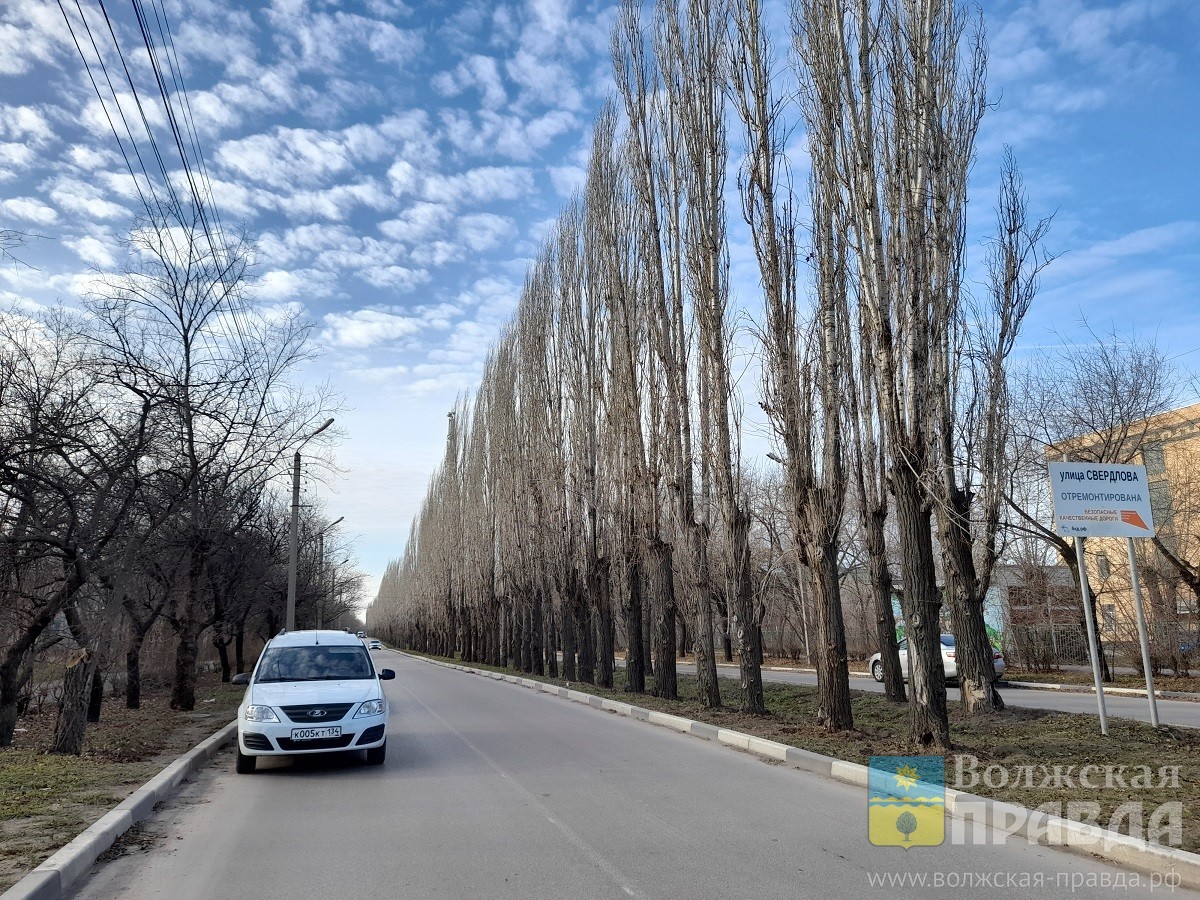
(293, 542)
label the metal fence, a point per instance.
(1045, 647)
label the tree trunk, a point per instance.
(666, 682)
(239, 647)
(648, 630)
(95, 697)
(587, 638)
(749, 635)
(568, 637)
(929, 724)
(885, 616)
(526, 615)
(72, 712)
(222, 646)
(187, 652)
(972, 651)
(537, 655)
(702, 640)
(133, 673)
(551, 641)
(605, 650)
(635, 668)
(833, 689)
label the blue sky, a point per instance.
(398, 164)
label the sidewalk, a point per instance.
(1020, 685)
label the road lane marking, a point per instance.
(597, 858)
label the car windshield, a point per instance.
(314, 664)
(948, 640)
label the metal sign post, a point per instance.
(1142, 638)
(1093, 644)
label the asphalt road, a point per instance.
(492, 790)
(1170, 712)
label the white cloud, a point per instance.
(80, 197)
(513, 136)
(438, 253)
(30, 33)
(420, 222)
(91, 158)
(567, 179)
(1103, 255)
(482, 185)
(24, 123)
(320, 41)
(368, 327)
(476, 71)
(379, 374)
(94, 252)
(16, 157)
(332, 204)
(483, 231)
(298, 284)
(27, 209)
(396, 278)
(306, 240)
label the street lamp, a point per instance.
(293, 542)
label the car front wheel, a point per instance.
(245, 764)
(376, 755)
(877, 670)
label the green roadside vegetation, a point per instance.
(995, 748)
(48, 799)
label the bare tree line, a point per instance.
(141, 436)
(597, 477)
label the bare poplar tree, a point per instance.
(975, 437)
(907, 102)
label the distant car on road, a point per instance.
(362, 634)
(875, 663)
(374, 644)
(312, 692)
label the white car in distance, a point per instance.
(312, 692)
(949, 660)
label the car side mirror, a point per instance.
(240, 678)
(386, 674)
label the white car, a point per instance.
(875, 663)
(374, 644)
(312, 692)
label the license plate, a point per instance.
(315, 734)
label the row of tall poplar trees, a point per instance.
(593, 489)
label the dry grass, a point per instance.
(46, 799)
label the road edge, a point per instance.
(1036, 827)
(54, 877)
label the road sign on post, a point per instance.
(1100, 500)
(1105, 500)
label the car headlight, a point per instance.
(261, 714)
(370, 708)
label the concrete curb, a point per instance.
(57, 875)
(974, 811)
